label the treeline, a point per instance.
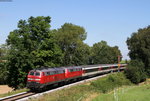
(139, 52)
(34, 44)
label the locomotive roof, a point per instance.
(72, 67)
(51, 69)
(45, 69)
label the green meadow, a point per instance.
(129, 93)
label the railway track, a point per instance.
(18, 96)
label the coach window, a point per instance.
(61, 71)
(53, 72)
(104, 68)
(74, 69)
(56, 72)
(48, 73)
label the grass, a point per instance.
(75, 93)
(127, 93)
(13, 92)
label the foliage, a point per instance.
(3, 73)
(3, 52)
(104, 54)
(81, 55)
(31, 45)
(70, 38)
(111, 82)
(3, 56)
(135, 71)
(125, 61)
(139, 46)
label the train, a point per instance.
(38, 79)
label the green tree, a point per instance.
(81, 55)
(139, 46)
(70, 37)
(135, 71)
(115, 52)
(3, 52)
(31, 45)
(3, 59)
(3, 73)
(104, 54)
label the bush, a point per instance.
(109, 83)
(135, 71)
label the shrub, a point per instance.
(109, 83)
(135, 71)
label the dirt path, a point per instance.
(5, 89)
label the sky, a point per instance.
(109, 20)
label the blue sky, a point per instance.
(109, 20)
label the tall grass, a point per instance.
(132, 93)
(76, 93)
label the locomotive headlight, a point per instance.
(37, 79)
(30, 79)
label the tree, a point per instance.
(81, 55)
(135, 71)
(70, 37)
(3, 52)
(115, 52)
(31, 45)
(3, 59)
(139, 46)
(104, 54)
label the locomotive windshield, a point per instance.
(34, 73)
(31, 73)
(37, 74)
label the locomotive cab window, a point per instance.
(37, 74)
(31, 73)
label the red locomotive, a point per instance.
(40, 78)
